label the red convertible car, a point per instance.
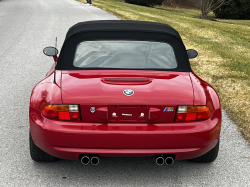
(123, 88)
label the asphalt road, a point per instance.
(26, 27)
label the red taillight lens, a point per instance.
(62, 112)
(180, 117)
(192, 113)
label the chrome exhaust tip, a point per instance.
(159, 160)
(169, 160)
(85, 160)
(95, 160)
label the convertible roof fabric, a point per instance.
(121, 30)
(121, 25)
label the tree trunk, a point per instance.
(203, 9)
(207, 6)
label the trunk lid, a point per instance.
(101, 97)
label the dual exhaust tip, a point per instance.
(94, 160)
(161, 159)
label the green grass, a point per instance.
(223, 46)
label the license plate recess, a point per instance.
(128, 113)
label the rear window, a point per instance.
(124, 55)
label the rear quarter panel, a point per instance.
(204, 93)
(47, 92)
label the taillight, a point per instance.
(192, 113)
(62, 112)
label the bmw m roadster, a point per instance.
(123, 88)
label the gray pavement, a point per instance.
(26, 27)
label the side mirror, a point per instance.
(192, 53)
(50, 51)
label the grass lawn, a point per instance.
(223, 46)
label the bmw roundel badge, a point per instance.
(128, 92)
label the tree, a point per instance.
(207, 6)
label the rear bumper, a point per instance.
(68, 140)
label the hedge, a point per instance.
(145, 2)
(236, 9)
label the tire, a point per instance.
(38, 154)
(210, 156)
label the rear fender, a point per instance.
(47, 92)
(204, 93)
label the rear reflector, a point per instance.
(62, 112)
(192, 113)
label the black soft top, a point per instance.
(122, 30)
(121, 25)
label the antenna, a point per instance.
(55, 63)
(56, 43)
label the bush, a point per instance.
(145, 2)
(180, 4)
(236, 9)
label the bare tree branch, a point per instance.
(207, 6)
